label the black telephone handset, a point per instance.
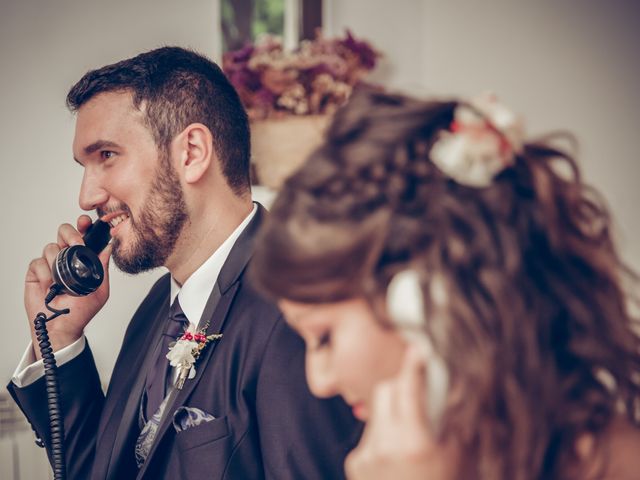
(76, 271)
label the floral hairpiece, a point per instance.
(481, 142)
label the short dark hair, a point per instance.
(179, 87)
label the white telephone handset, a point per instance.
(405, 306)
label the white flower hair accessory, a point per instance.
(405, 306)
(481, 142)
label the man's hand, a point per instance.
(397, 442)
(67, 329)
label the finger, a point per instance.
(382, 410)
(39, 272)
(83, 223)
(383, 399)
(67, 236)
(105, 256)
(412, 385)
(50, 252)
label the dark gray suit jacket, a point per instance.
(267, 424)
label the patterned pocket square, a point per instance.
(189, 417)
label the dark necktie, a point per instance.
(157, 378)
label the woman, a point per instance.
(433, 224)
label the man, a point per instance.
(164, 144)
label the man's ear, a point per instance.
(195, 151)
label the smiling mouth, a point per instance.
(120, 218)
(115, 219)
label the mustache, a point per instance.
(101, 212)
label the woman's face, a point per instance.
(348, 350)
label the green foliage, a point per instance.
(268, 18)
(244, 20)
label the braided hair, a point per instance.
(538, 332)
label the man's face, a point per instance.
(129, 182)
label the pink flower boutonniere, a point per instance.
(184, 353)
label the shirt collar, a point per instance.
(195, 292)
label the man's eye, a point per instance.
(107, 154)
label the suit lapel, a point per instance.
(123, 414)
(217, 325)
(178, 397)
(217, 308)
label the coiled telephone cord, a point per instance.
(51, 382)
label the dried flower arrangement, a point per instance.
(315, 78)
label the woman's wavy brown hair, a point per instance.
(538, 332)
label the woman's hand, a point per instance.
(397, 443)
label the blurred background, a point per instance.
(564, 65)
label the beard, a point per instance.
(158, 227)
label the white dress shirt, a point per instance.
(193, 296)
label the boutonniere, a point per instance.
(184, 352)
